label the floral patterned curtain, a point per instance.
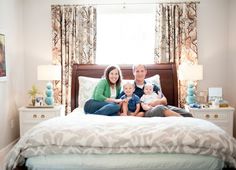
(74, 41)
(176, 37)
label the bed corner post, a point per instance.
(175, 81)
(74, 85)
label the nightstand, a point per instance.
(222, 117)
(29, 117)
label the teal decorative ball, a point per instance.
(191, 99)
(49, 100)
(191, 85)
(190, 91)
(49, 85)
(49, 93)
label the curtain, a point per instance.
(176, 37)
(73, 41)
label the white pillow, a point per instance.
(154, 80)
(86, 87)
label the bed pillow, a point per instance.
(86, 87)
(154, 80)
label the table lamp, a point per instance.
(190, 73)
(49, 72)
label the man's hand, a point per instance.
(146, 106)
(162, 101)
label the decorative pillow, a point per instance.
(154, 80)
(86, 87)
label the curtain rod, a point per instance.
(139, 3)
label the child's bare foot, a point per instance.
(123, 114)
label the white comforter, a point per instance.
(79, 133)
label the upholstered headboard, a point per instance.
(167, 72)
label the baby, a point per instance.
(130, 102)
(148, 96)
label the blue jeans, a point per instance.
(101, 108)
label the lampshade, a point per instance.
(190, 72)
(49, 72)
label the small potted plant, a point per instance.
(33, 92)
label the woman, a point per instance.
(105, 96)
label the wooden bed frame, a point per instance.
(167, 72)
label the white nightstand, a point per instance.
(222, 117)
(29, 117)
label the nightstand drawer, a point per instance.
(212, 116)
(38, 116)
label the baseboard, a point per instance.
(5, 150)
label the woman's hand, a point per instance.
(114, 100)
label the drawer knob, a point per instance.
(207, 116)
(216, 116)
(42, 116)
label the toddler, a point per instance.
(148, 96)
(130, 102)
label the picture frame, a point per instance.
(39, 101)
(215, 93)
(3, 66)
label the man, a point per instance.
(159, 106)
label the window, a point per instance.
(125, 36)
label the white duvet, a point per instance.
(85, 134)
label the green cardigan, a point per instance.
(102, 90)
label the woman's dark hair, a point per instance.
(107, 72)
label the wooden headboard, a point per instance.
(167, 72)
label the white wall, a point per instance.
(11, 91)
(231, 71)
(213, 42)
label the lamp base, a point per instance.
(49, 100)
(191, 97)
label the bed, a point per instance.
(93, 142)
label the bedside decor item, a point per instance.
(39, 101)
(214, 93)
(202, 97)
(3, 73)
(33, 92)
(49, 72)
(191, 73)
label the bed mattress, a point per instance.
(124, 161)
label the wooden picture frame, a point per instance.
(3, 66)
